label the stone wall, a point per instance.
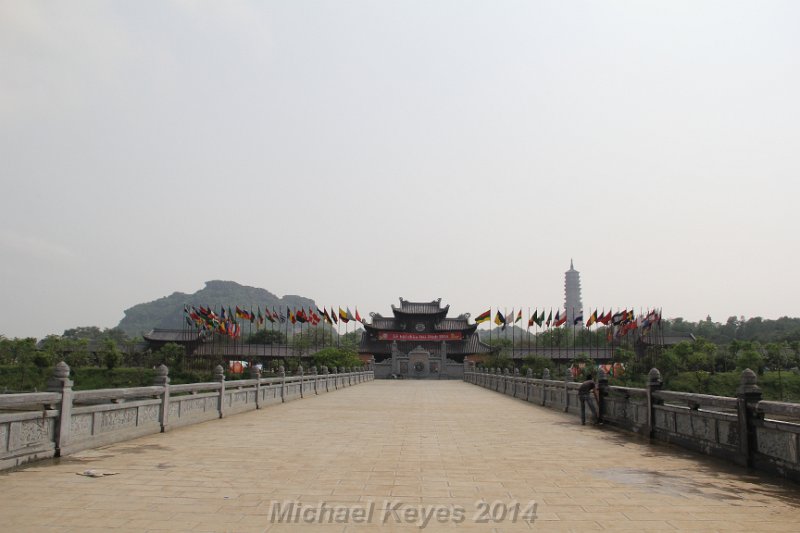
(746, 430)
(62, 421)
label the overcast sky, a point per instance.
(359, 151)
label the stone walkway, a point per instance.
(401, 453)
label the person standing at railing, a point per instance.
(586, 392)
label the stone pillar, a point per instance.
(162, 380)
(528, 384)
(602, 389)
(282, 375)
(219, 376)
(255, 374)
(545, 377)
(748, 395)
(301, 372)
(516, 383)
(567, 379)
(315, 378)
(654, 383)
(60, 382)
(325, 375)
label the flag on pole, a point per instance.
(343, 316)
(483, 317)
(519, 316)
(532, 320)
(592, 319)
(499, 319)
(549, 318)
(578, 319)
(560, 320)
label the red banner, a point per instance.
(398, 336)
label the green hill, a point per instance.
(167, 312)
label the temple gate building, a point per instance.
(420, 342)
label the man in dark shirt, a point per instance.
(584, 391)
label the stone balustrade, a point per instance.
(62, 421)
(746, 430)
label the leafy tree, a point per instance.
(110, 355)
(267, 336)
(17, 351)
(351, 340)
(336, 357)
(536, 364)
(777, 357)
(173, 355)
(750, 358)
(83, 332)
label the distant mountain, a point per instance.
(167, 312)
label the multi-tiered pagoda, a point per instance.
(419, 341)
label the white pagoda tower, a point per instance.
(572, 294)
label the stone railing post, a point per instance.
(60, 382)
(301, 373)
(162, 380)
(335, 378)
(516, 382)
(654, 383)
(282, 375)
(325, 375)
(602, 387)
(567, 379)
(219, 376)
(316, 378)
(748, 395)
(545, 377)
(528, 384)
(255, 373)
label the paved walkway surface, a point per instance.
(388, 454)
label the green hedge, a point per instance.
(18, 378)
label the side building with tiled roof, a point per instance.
(420, 341)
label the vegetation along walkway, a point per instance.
(400, 454)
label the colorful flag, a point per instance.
(350, 315)
(292, 317)
(343, 316)
(560, 320)
(483, 317)
(519, 317)
(358, 317)
(326, 316)
(578, 319)
(540, 319)
(532, 319)
(334, 317)
(592, 319)
(549, 318)
(499, 319)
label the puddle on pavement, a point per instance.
(719, 488)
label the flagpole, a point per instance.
(528, 332)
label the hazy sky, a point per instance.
(359, 151)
